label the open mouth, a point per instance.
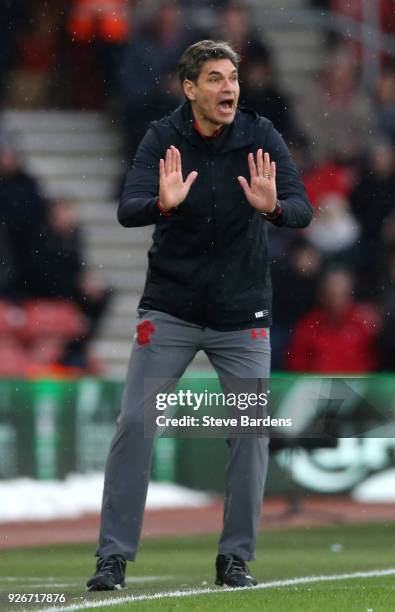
(226, 105)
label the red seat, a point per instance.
(46, 350)
(56, 318)
(12, 319)
(13, 358)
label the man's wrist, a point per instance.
(166, 212)
(274, 214)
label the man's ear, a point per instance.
(189, 90)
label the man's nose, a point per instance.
(228, 85)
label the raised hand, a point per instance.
(172, 189)
(262, 192)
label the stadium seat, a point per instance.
(14, 360)
(47, 350)
(12, 319)
(57, 318)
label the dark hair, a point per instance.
(193, 58)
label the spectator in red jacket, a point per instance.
(338, 335)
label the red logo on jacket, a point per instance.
(145, 329)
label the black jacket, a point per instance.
(23, 214)
(209, 260)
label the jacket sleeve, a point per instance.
(138, 204)
(296, 208)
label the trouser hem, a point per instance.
(108, 552)
(245, 556)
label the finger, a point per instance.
(244, 184)
(259, 162)
(191, 178)
(266, 165)
(173, 159)
(273, 171)
(162, 173)
(251, 165)
(178, 160)
(168, 162)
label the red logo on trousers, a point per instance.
(261, 333)
(144, 331)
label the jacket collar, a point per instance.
(237, 135)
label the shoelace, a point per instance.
(110, 562)
(236, 565)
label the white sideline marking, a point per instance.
(113, 601)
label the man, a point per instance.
(23, 214)
(207, 287)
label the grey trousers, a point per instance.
(167, 345)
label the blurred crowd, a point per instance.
(42, 262)
(334, 283)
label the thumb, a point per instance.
(191, 178)
(244, 184)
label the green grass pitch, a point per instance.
(184, 563)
